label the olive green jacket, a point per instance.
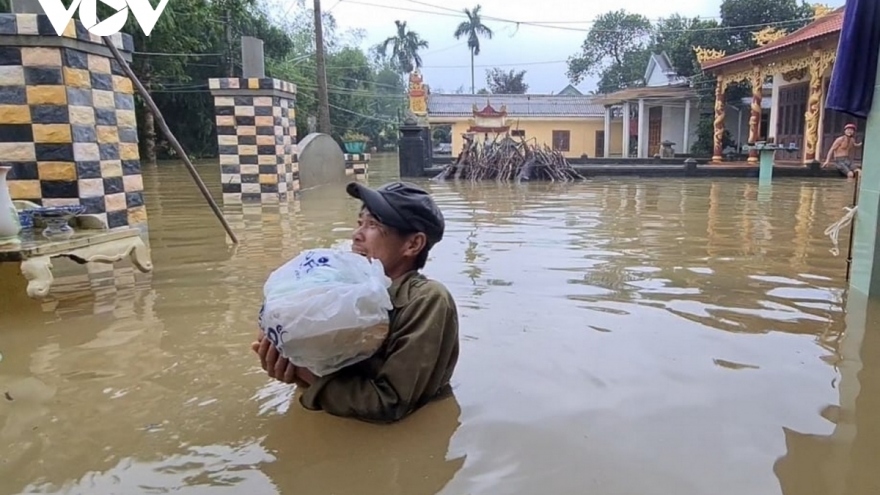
(413, 366)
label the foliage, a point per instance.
(616, 49)
(196, 40)
(473, 28)
(677, 36)
(618, 46)
(353, 136)
(743, 17)
(405, 46)
(509, 83)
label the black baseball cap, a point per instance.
(403, 206)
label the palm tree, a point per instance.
(405, 46)
(473, 28)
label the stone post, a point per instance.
(411, 151)
(256, 137)
(69, 128)
(429, 146)
(357, 164)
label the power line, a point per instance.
(377, 119)
(459, 11)
(549, 25)
(177, 54)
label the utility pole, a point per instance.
(230, 59)
(323, 98)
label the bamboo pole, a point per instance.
(852, 226)
(168, 135)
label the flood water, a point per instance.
(619, 337)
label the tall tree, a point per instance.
(677, 36)
(323, 98)
(405, 46)
(473, 28)
(744, 17)
(506, 83)
(615, 49)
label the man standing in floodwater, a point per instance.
(398, 224)
(842, 152)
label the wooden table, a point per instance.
(86, 246)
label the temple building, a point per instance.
(572, 123)
(798, 65)
(663, 110)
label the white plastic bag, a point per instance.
(326, 309)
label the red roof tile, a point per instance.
(827, 25)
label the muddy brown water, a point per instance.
(623, 336)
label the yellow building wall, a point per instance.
(582, 138)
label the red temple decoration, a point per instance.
(488, 120)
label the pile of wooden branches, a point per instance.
(505, 159)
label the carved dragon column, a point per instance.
(819, 63)
(756, 79)
(718, 134)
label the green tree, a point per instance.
(405, 46)
(615, 49)
(195, 40)
(744, 17)
(158, 73)
(509, 83)
(677, 36)
(473, 28)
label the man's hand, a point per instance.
(279, 368)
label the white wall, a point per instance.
(657, 78)
(672, 126)
(735, 123)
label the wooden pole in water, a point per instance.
(168, 135)
(852, 226)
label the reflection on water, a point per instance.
(620, 336)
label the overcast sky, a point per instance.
(540, 50)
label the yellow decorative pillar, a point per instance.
(756, 79)
(704, 56)
(819, 63)
(718, 134)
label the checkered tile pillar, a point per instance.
(256, 137)
(67, 120)
(357, 164)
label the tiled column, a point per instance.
(357, 164)
(67, 120)
(256, 137)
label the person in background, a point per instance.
(398, 224)
(842, 152)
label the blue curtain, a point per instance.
(855, 68)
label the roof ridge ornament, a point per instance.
(820, 10)
(707, 54)
(768, 35)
